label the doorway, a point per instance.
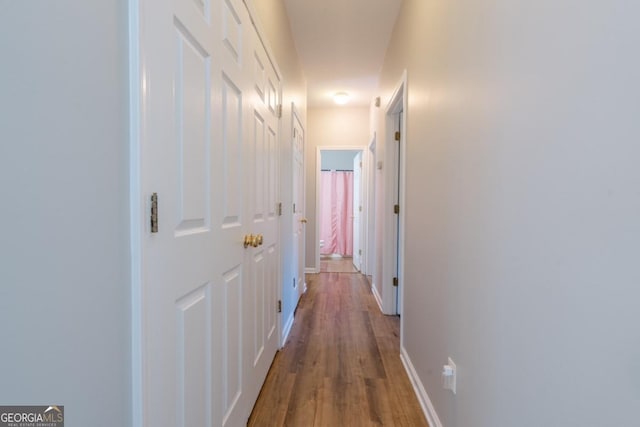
(340, 206)
(394, 219)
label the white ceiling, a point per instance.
(341, 44)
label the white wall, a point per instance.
(523, 208)
(339, 126)
(64, 286)
(274, 23)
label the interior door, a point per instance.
(299, 220)
(357, 211)
(264, 172)
(233, 314)
(207, 303)
(180, 267)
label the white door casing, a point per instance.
(357, 211)
(394, 180)
(319, 154)
(205, 322)
(396, 201)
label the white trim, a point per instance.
(403, 190)
(311, 270)
(286, 330)
(397, 103)
(136, 212)
(418, 388)
(376, 295)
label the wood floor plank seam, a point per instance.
(341, 364)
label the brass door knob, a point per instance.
(303, 220)
(254, 241)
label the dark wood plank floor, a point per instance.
(340, 365)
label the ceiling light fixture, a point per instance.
(341, 98)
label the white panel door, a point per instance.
(262, 152)
(209, 150)
(299, 220)
(231, 215)
(178, 277)
(357, 211)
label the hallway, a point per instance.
(340, 365)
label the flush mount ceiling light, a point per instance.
(341, 98)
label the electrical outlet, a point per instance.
(449, 372)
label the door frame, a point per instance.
(361, 229)
(364, 192)
(392, 301)
(137, 212)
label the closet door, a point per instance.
(262, 152)
(180, 273)
(206, 310)
(231, 189)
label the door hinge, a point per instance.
(360, 165)
(279, 306)
(154, 213)
(279, 209)
(397, 136)
(294, 208)
(279, 111)
(359, 208)
(359, 251)
(396, 209)
(395, 282)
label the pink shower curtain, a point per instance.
(336, 212)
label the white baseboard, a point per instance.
(304, 289)
(311, 270)
(376, 295)
(421, 393)
(286, 330)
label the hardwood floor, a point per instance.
(337, 265)
(340, 365)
